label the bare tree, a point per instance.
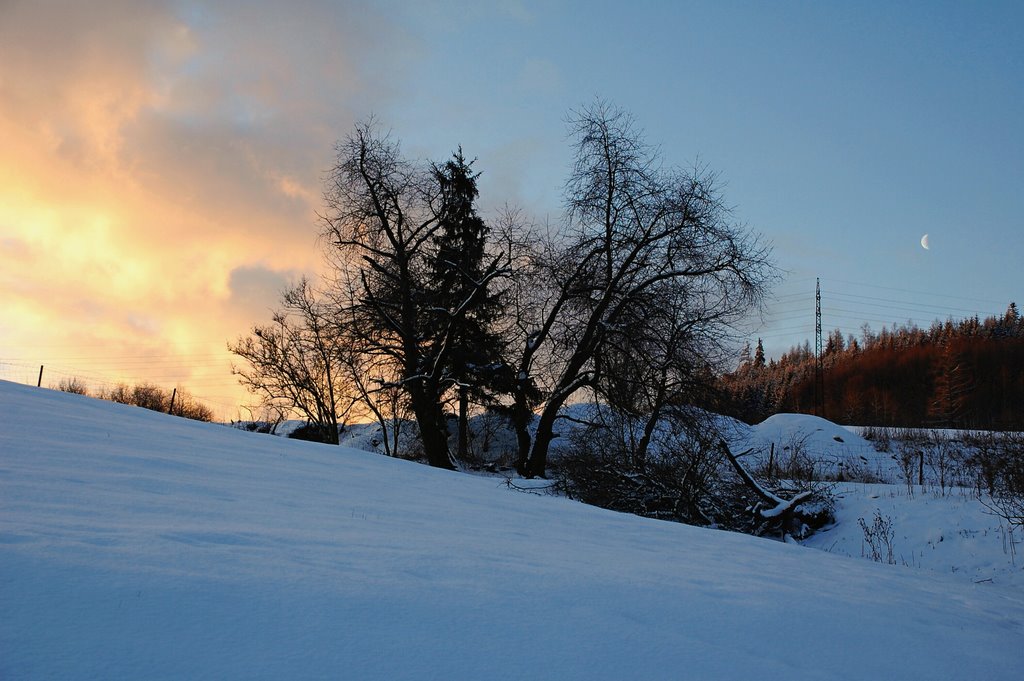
(297, 362)
(999, 465)
(633, 227)
(380, 396)
(659, 358)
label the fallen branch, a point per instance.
(772, 507)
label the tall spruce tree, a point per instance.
(386, 220)
(759, 355)
(458, 284)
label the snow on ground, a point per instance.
(812, 432)
(829, 446)
(951, 533)
(136, 545)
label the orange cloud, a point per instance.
(159, 173)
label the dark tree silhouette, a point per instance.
(457, 285)
(297, 363)
(632, 227)
(385, 221)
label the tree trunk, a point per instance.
(463, 423)
(652, 420)
(333, 437)
(521, 417)
(433, 433)
(640, 457)
(537, 464)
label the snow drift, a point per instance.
(136, 545)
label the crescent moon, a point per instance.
(924, 242)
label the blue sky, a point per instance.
(843, 131)
(162, 160)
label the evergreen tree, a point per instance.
(965, 374)
(393, 226)
(1012, 321)
(759, 355)
(457, 284)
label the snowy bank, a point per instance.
(136, 545)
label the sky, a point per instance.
(161, 163)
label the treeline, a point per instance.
(177, 402)
(954, 374)
(429, 309)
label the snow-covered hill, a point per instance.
(828, 447)
(135, 545)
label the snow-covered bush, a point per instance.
(686, 477)
(681, 482)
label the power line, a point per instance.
(923, 293)
(205, 358)
(926, 308)
(871, 309)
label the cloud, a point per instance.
(256, 290)
(154, 151)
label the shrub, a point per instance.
(120, 393)
(878, 537)
(149, 396)
(678, 485)
(686, 478)
(999, 466)
(878, 436)
(187, 406)
(73, 385)
(155, 398)
(313, 432)
(790, 461)
(265, 427)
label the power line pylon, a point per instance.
(819, 367)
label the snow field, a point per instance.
(136, 545)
